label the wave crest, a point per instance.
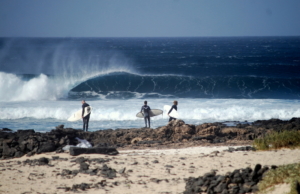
(128, 85)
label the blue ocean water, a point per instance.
(215, 79)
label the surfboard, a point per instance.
(77, 115)
(153, 113)
(173, 113)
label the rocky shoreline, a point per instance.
(128, 159)
(175, 134)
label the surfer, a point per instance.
(146, 112)
(175, 103)
(86, 118)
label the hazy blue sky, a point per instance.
(148, 18)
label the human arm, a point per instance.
(83, 107)
(170, 110)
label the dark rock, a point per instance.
(169, 166)
(220, 187)
(84, 166)
(225, 191)
(40, 161)
(254, 174)
(60, 127)
(238, 181)
(75, 151)
(122, 170)
(247, 187)
(100, 145)
(25, 132)
(273, 167)
(80, 160)
(18, 154)
(155, 180)
(6, 130)
(254, 188)
(82, 186)
(246, 148)
(29, 142)
(297, 186)
(46, 147)
(99, 160)
(107, 172)
(43, 161)
(55, 157)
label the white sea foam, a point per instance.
(121, 113)
(14, 88)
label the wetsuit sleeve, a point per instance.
(170, 109)
(82, 110)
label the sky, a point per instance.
(149, 18)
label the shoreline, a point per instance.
(163, 160)
(176, 134)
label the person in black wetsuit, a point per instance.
(85, 119)
(175, 103)
(146, 112)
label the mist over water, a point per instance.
(35, 72)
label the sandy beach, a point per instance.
(137, 171)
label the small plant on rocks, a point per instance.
(289, 174)
(277, 140)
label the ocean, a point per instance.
(214, 79)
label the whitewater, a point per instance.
(42, 81)
(112, 114)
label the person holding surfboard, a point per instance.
(146, 112)
(175, 103)
(85, 119)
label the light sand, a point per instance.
(144, 178)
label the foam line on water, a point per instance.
(200, 110)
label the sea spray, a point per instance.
(59, 68)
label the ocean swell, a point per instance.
(128, 85)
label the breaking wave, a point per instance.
(128, 85)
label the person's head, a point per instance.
(145, 102)
(175, 102)
(83, 101)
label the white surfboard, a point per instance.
(173, 113)
(77, 115)
(153, 113)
